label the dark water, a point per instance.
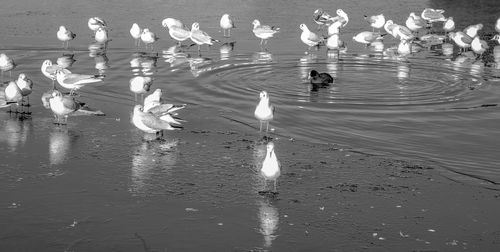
(427, 106)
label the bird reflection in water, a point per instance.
(268, 221)
(143, 62)
(60, 142)
(226, 49)
(14, 130)
(305, 65)
(152, 164)
(66, 60)
(98, 52)
(403, 74)
(175, 56)
(200, 65)
(262, 57)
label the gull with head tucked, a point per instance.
(149, 122)
(95, 23)
(414, 22)
(140, 85)
(65, 35)
(376, 21)
(148, 37)
(135, 32)
(101, 35)
(176, 29)
(226, 23)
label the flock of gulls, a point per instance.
(153, 116)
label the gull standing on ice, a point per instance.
(13, 93)
(169, 22)
(334, 43)
(389, 27)
(310, 38)
(200, 37)
(263, 32)
(472, 30)
(376, 21)
(271, 168)
(95, 23)
(62, 106)
(433, 15)
(150, 123)
(341, 17)
(479, 46)
(6, 64)
(367, 37)
(49, 70)
(148, 37)
(65, 36)
(135, 32)
(176, 29)
(264, 112)
(101, 35)
(226, 23)
(414, 22)
(461, 39)
(449, 25)
(25, 84)
(140, 85)
(403, 33)
(321, 17)
(75, 81)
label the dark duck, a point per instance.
(319, 80)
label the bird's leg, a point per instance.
(229, 33)
(275, 186)
(260, 128)
(267, 126)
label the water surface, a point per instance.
(428, 106)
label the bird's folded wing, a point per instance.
(70, 103)
(165, 109)
(82, 78)
(155, 123)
